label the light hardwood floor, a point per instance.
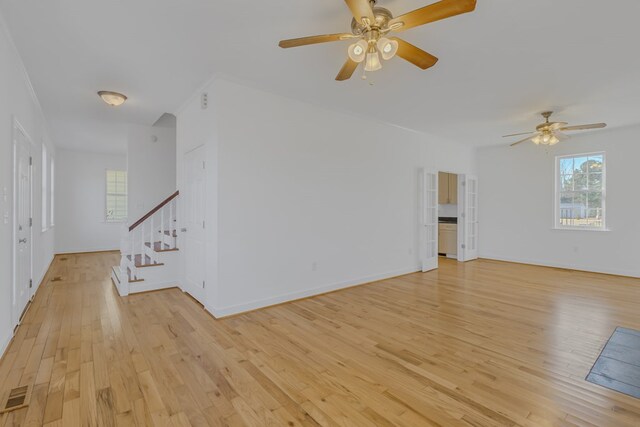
(478, 344)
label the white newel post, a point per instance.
(123, 287)
(132, 264)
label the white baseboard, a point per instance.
(553, 264)
(4, 342)
(86, 250)
(137, 287)
(219, 312)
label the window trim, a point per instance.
(106, 193)
(44, 188)
(557, 191)
(52, 181)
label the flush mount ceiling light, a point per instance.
(371, 25)
(550, 133)
(114, 99)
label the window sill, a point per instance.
(597, 230)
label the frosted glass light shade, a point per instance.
(387, 48)
(373, 62)
(114, 99)
(358, 51)
(546, 138)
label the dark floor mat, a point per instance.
(618, 366)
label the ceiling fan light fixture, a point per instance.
(114, 99)
(358, 51)
(545, 138)
(388, 48)
(373, 61)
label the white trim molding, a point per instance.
(219, 312)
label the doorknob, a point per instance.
(22, 240)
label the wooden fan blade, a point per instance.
(347, 70)
(522, 140)
(584, 127)
(361, 9)
(325, 38)
(434, 12)
(414, 54)
(518, 134)
(557, 125)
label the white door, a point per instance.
(469, 199)
(194, 211)
(22, 224)
(429, 220)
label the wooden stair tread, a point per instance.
(132, 279)
(160, 247)
(147, 261)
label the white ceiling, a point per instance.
(499, 66)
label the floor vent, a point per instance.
(63, 259)
(618, 366)
(18, 398)
(57, 279)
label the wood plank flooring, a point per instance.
(477, 344)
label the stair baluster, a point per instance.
(171, 226)
(162, 228)
(152, 235)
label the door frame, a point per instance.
(462, 203)
(16, 312)
(428, 239)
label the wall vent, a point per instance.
(18, 398)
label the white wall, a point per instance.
(303, 199)
(19, 101)
(151, 167)
(80, 205)
(517, 202)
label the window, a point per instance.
(116, 196)
(52, 192)
(580, 192)
(45, 188)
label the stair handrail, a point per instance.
(154, 210)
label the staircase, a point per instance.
(150, 258)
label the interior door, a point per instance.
(194, 211)
(469, 187)
(429, 220)
(22, 225)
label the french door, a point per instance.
(429, 219)
(469, 199)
